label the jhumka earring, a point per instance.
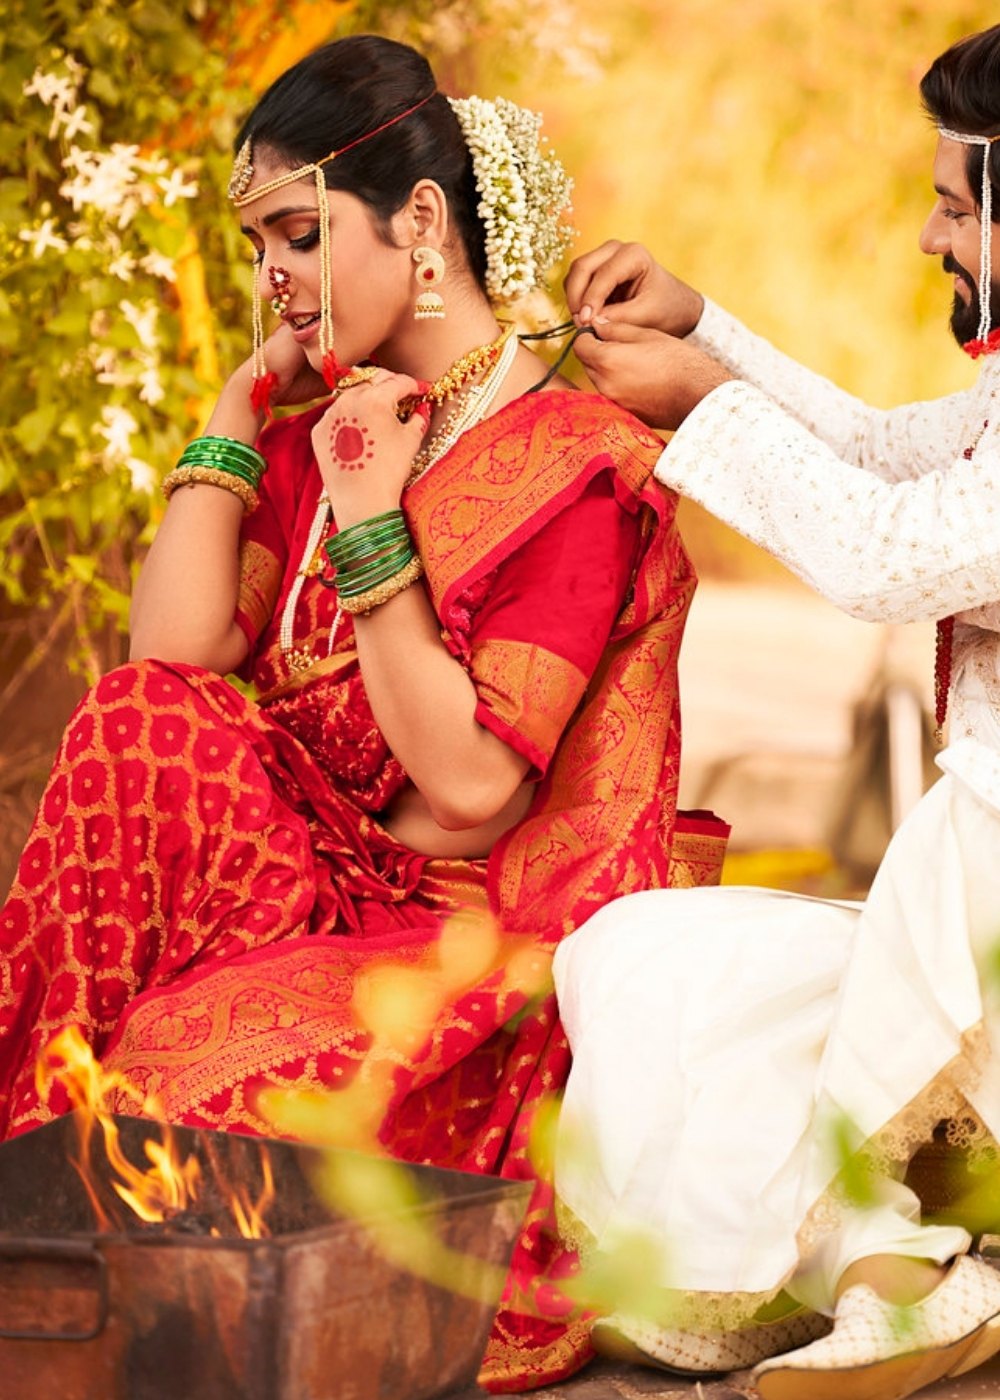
(279, 280)
(429, 271)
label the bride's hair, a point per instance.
(346, 90)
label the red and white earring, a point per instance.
(429, 272)
(279, 280)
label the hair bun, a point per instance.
(523, 194)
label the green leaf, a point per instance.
(81, 566)
(103, 88)
(33, 430)
(72, 320)
(13, 201)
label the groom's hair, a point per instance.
(961, 91)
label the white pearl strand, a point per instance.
(475, 408)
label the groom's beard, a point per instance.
(965, 315)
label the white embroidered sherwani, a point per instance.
(720, 1035)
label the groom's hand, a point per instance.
(624, 284)
(655, 376)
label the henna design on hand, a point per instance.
(350, 444)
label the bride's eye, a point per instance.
(305, 240)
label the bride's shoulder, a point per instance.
(596, 423)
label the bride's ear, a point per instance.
(424, 217)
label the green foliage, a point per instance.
(115, 129)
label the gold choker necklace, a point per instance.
(455, 378)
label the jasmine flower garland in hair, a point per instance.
(522, 194)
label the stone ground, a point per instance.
(610, 1381)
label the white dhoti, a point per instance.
(728, 1043)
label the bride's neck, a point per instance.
(427, 349)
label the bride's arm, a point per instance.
(184, 602)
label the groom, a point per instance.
(895, 516)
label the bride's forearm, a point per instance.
(184, 601)
(425, 705)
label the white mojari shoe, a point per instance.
(702, 1353)
(880, 1351)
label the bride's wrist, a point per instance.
(234, 416)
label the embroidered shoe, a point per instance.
(879, 1351)
(703, 1353)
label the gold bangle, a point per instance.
(365, 603)
(209, 476)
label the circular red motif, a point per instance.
(349, 444)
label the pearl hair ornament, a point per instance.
(980, 344)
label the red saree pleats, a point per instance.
(208, 893)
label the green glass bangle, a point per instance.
(342, 554)
(350, 588)
(360, 544)
(241, 451)
(354, 533)
(357, 580)
(347, 563)
(197, 455)
(227, 455)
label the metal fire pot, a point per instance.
(315, 1311)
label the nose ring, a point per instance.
(279, 280)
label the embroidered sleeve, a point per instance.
(883, 551)
(896, 444)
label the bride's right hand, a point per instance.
(297, 382)
(234, 414)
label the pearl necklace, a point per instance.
(472, 409)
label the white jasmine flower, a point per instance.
(118, 427)
(73, 123)
(52, 89)
(107, 365)
(143, 476)
(174, 188)
(122, 266)
(106, 181)
(523, 192)
(158, 265)
(43, 238)
(151, 389)
(142, 319)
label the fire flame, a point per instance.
(168, 1186)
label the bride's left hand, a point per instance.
(364, 452)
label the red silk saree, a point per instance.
(207, 890)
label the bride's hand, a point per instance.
(364, 452)
(297, 382)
